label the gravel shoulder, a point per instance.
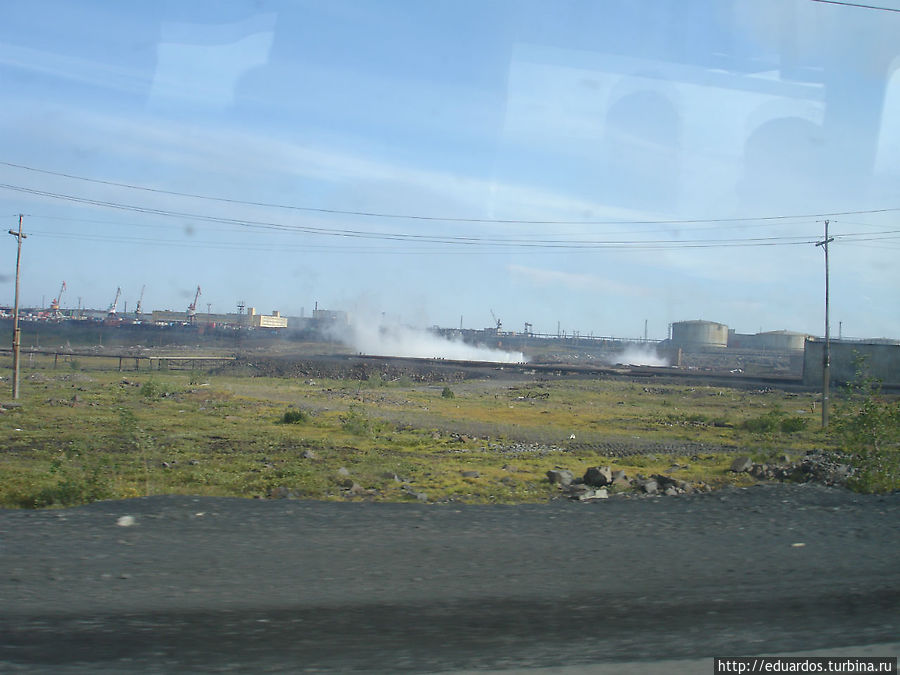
(187, 584)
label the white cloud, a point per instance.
(576, 282)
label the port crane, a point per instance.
(54, 304)
(192, 308)
(140, 307)
(497, 321)
(115, 304)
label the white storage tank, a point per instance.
(699, 334)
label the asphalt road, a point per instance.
(228, 585)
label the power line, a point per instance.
(856, 4)
(390, 236)
(450, 219)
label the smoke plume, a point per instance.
(379, 338)
(636, 355)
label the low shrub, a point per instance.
(294, 416)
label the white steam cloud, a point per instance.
(378, 338)
(638, 356)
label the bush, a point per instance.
(867, 426)
(356, 423)
(152, 390)
(447, 393)
(294, 416)
(763, 424)
(790, 425)
(78, 479)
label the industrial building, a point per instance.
(880, 360)
(249, 320)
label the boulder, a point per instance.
(741, 464)
(562, 477)
(598, 476)
(649, 487)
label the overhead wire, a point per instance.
(361, 234)
(377, 214)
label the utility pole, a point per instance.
(826, 360)
(16, 337)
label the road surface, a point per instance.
(183, 584)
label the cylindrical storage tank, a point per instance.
(781, 341)
(699, 334)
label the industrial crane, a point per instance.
(54, 305)
(192, 308)
(140, 308)
(497, 321)
(115, 304)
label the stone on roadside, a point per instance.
(589, 495)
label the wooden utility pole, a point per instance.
(826, 359)
(16, 337)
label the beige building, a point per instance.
(265, 321)
(251, 319)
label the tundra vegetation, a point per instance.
(84, 434)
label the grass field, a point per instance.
(84, 434)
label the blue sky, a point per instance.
(635, 146)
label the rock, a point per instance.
(280, 492)
(356, 489)
(346, 483)
(562, 477)
(598, 476)
(343, 471)
(619, 474)
(589, 495)
(741, 464)
(670, 491)
(309, 454)
(649, 487)
(664, 482)
(126, 521)
(621, 483)
(470, 474)
(193, 462)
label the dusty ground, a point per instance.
(215, 585)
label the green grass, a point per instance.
(81, 436)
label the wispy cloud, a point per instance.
(577, 282)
